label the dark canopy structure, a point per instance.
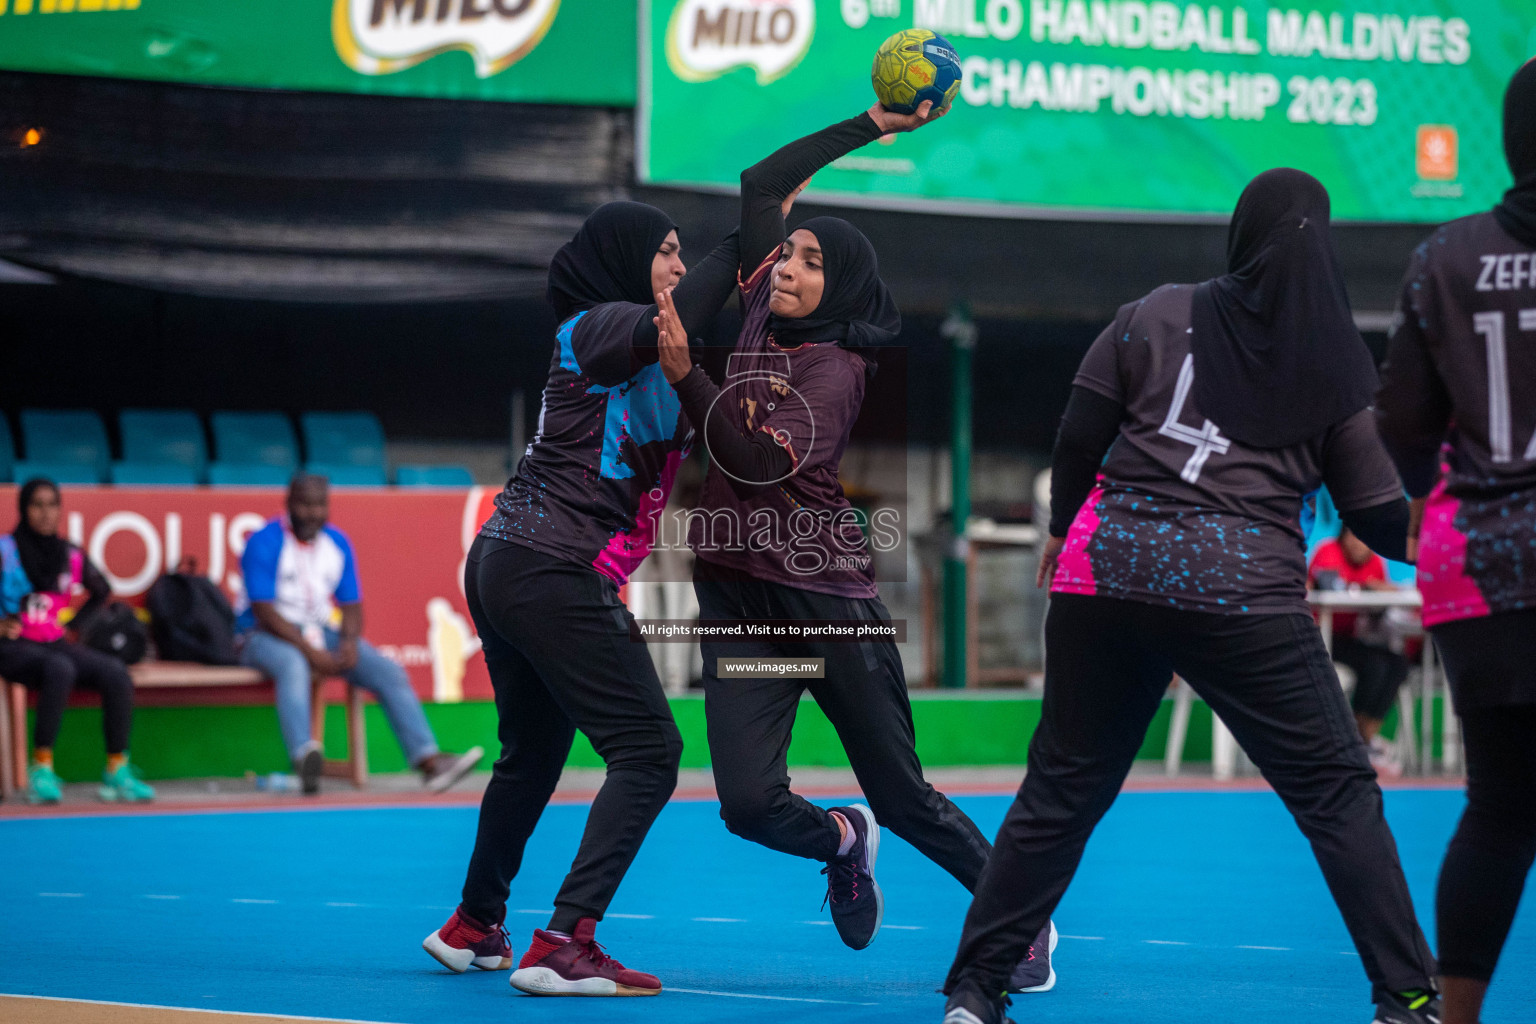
(351, 198)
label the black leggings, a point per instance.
(1108, 665)
(562, 657)
(1488, 661)
(863, 694)
(54, 670)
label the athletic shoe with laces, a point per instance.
(857, 904)
(43, 785)
(1414, 1007)
(577, 966)
(1036, 972)
(125, 786)
(464, 942)
(967, 1006)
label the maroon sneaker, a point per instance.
(577, 967)
(464, 942)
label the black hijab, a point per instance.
(856, 309)
(609, 260)
(1517, 213)
(43, 558)
(1277, 357)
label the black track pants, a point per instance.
(558, 646)
(1491, 663)
(54, 670)
(864, 695)
(1108, 663)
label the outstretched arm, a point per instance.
(770, 185)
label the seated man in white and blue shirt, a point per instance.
(302, 616)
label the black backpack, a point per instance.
(114, 629)
(191, 619)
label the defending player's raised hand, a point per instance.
(672, 339)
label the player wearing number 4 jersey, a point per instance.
(1182, 552)
(1461, 370)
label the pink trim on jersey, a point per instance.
(41, 610)
(1074, 572)
(628, 549)
(1449, 594)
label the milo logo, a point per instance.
(706, 38)
(380, 37)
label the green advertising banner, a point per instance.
(536, 51)
(1108, 108)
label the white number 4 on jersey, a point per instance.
(1207, 440)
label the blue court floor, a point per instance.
(1190, 906)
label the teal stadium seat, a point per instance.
(341, 475)
(7, 449)
(59, 472)
(172, 437)
(247, 474)
(252, 449)
(153, 474)
(434, 476)
(66, 437)
(343, 439)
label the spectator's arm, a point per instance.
(96, 586)
(268, 619)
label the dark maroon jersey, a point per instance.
(801, 531)
(1461, 369)
(1183, 515)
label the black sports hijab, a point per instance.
(1517, 213)
(1277, 357)
(44, 558)
(609, 260)
(855, 308)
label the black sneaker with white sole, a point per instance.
(857, 905)
(1416, 1007)
(1037, 972)
(968, 1006)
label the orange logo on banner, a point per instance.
(1436, 152)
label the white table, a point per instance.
(1327, 602)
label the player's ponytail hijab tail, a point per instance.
(1277, 357)
(856, 308)
(609, 260)
(1516, 214)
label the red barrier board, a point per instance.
(410, 546)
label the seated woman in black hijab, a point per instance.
(1219, 406)
(1461, 373)
(39, 572)
(815, 311)
(542, 581)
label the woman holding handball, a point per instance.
(814, 311)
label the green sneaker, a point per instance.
(125, 785)
(43, 785)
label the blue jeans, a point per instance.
(387, 681)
